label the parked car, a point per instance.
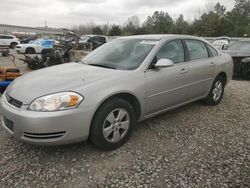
(92, 42)
(221, 43)
(123, 82)
(9, 40)
(35, 47)
(240, 52)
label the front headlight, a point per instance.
(56, 102)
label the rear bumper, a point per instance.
(46, 128)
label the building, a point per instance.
(27, 31)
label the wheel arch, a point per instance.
(13, 43)
(132, 99)
(30, 48)
(223, 75)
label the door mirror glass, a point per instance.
(161, 63)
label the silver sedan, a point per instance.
(123, 82)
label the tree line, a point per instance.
(217, 21)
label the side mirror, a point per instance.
(161, 63)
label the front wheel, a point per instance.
(112, 124)
(216, 92)
(30, 51)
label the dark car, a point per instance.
(240, 52)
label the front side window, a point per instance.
(196, 49)
(172, 50)
(124, 54)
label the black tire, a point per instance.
(210, 100)
(30, 51)
(96, 132)
(13, 45)
(5, 54)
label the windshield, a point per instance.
(240, 46)
(124, 54)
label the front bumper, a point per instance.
(46, 128)
(20, 50)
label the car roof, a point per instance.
(162, 36)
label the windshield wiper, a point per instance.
(104, 66)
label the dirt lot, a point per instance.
(192, 146)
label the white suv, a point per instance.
(9, 40)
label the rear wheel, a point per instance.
(216, 92)
(112, 124)
(13, 45)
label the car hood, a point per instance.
(237, 53)
(66, 77)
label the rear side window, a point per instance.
(196, 50)
(212, 51)
(172, 50)
(8, 37)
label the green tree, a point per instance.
(115, 30)
(210, 24)
(238, 19)
(181, 26)
(160, 22)
(97, 30)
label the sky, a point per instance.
(68, 13)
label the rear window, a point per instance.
(196, 49)
(240, 46)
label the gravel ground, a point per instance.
(192, 146)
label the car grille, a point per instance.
(13, 102)
(8, 123)
(44, 135)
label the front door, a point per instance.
(167, 87)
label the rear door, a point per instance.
(8, 40)
(2, 40)
(201, 66)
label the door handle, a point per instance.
(212, 64)
(183, 71)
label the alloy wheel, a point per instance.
(116, 125)
(217, 91)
